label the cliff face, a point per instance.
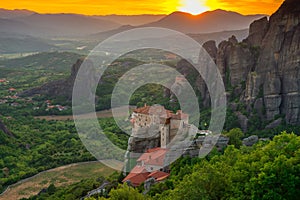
(263, 71)
(277, 71)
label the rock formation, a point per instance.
(58, 88)
(263, 71)
(250, 141)
(276, 74)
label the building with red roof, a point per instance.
(169, 123)
(11, 89)
(149, 165)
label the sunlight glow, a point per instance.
(135, 7)
(194, 7)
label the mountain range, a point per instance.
(10, 14)
(210, 21)
(72, 25)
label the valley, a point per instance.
(44, 154)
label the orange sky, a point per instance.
(129, 7)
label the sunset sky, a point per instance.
(134, 7)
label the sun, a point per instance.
(194, 7)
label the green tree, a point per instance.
(124, 192)
(235, 135)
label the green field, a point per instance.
(61, 176)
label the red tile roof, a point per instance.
(139, 174)
(161, 111)
(159, 175)
(12, 89)
(150, 110)
(136, 179)
(154, 157)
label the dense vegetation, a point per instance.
(39, 145)
(267, 170)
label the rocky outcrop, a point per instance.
(257, 31)
(277, 72)
(234, 61)
(250, 141)
(5, 130)
(58, 88)
(146, 138)
(274, 124)
(263, 71)
(203, 141)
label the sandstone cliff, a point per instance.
(263, 71)
(277, 71)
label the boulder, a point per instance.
(250, 141)
(274, 124)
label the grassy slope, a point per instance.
(61, 176)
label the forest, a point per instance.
(39, 145)
(267, 170)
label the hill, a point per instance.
(220, 36)
(16, 43)
(67, 24)
(210, 21)
(199, 37)
(10, 14)
(133, 20)
(50, 61)
(61, 177)
(25, 22)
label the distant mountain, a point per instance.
(66, 24)
(106, 34)
(16, 27)
(73, 25)
(133, 20)
(10, 14)
(15, 43)
(201, 37)
(220, 36)
(27, 22)
(210, 21)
